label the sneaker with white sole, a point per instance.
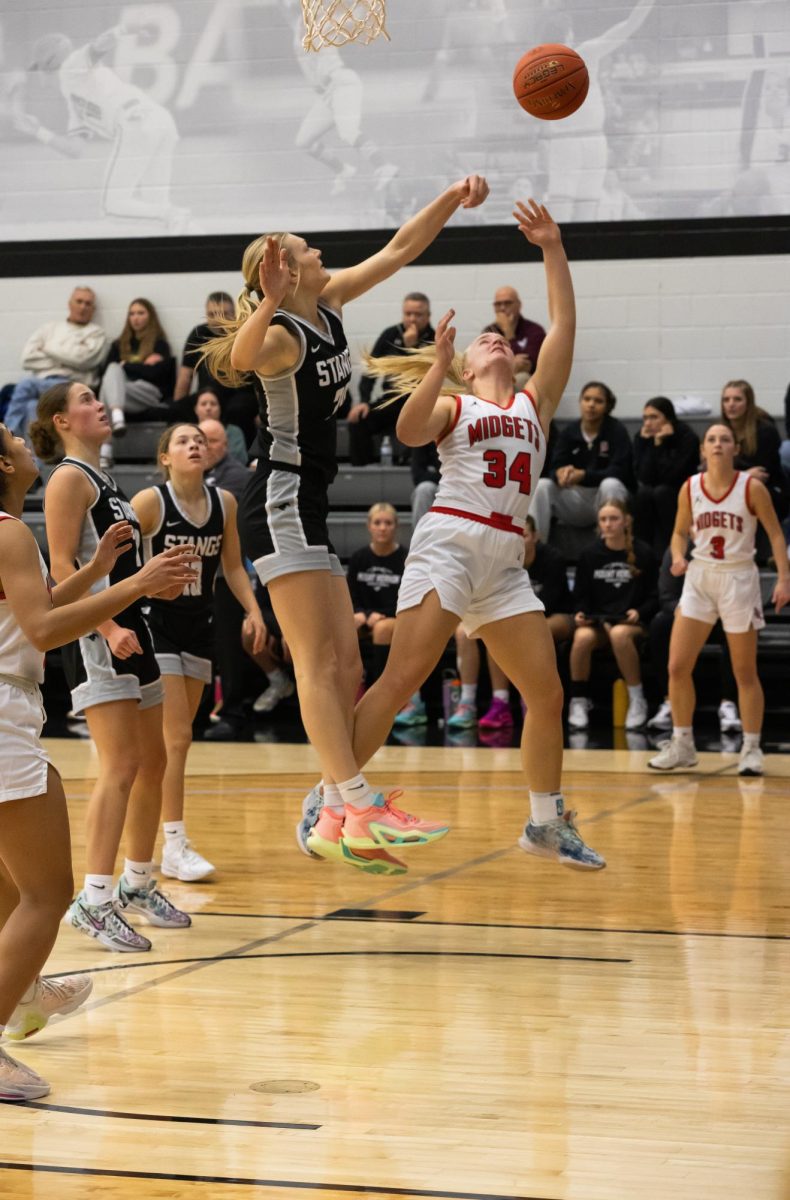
(675, 754)
(50, 996)
(275, 692)
(636, 715)
(105, 923)
(312, 805)
(18, 1082)
(662, 718)
(560, 840)
(118, 422)
(751, 761)
(729, 717)
(106, 457)
(579, 712)
(150, 904)
(180, 860)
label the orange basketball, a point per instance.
(551, 82)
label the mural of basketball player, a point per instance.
(101, 105)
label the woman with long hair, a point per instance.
(614, 597)
(289, 332)
(185, 509)
(666, 452)
(466, 557)
(35, 845)
(758, 440)
(140, 369)
(722, 507)
(113, 676)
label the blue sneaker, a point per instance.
(464, 717)
(311, 811)
(412, 714)
(560, 840)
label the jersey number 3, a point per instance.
(498, 474)
(717, 547)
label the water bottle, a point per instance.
(386, 451)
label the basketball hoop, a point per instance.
(336, 22)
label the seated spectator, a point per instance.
(758, 440)
(591, 464)
(498, 715)
(614, 596)
(784, 449)
(138, 374)
(526, 337)
(425, 472)
(374, 573)
(548, 574)
(239, 405)
(666, 453)
(207, 408)
(368, 418)
(72, 349)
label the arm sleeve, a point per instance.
(83, 350)
(159, 374)
(33, 354)
(561, 456)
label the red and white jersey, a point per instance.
(491, 461)
(17, 655)
(723, 529)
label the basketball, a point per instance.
(550, 82)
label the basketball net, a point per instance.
(336, 22)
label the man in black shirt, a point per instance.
(367, 419)
(239, 405)
(548, 575)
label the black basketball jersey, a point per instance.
(176, 529)
(298, 408)
(109, 506)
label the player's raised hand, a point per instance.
(536, 223)
(274, 273)
(115, 541)
(472, 190)
(445, 340)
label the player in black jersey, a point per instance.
(113, 675)
(289, 332)
(184, 509)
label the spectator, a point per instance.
(548, 574)
(367, 419)
(614, 596)
(239, 405)
(758, 440)
(590, 465)
(498, 715)
(374, 574)
(526, 337)
(138, 374)
(72, 349)
(207, 408)
(666, 453)
(784, 449)
(425, 471)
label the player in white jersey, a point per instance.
(102, 105)
(720, 509)
(35, 847)
(467, 556)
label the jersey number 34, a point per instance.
(498, 474)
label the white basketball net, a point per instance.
(336, 22)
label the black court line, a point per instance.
(240, 1181)
(132, 1116)
(375, 914)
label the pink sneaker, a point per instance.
(498, 716)
(385, 825)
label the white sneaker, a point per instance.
(662, 718)
(63, 995)
(636, 716)
(729, 717)
(275, 692)
(674, 754)
(180, 860)
(106, 458)
(18, 1082)
(751, 762)
(118, 422)
(579, 712)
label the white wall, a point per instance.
(646, 327)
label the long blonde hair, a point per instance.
(745, 431)
(147, 339)
(406, 371)
(628, 531)
(216, 352)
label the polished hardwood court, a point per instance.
(488, 1026)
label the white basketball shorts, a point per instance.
(23, 763)
(729, 594)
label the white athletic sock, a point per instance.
(174, 830)
(332, 797)
(683, 733)
(545, 807)
(98, 888)
(635, 692)
(356, 792)
(468, 693)
(137, 874)
(502, 694)
(751, 741)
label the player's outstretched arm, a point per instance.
(259, 345)
(408, 243)
(237, 578)
(762, 505)
(427, 414)
(556, 354)
(680, 534)
(616, 35)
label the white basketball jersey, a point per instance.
(17, 655)
(95, 95)
(723, 530)
(491, 459)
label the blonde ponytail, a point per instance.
(406, 371)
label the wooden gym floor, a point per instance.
(489, 1026)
